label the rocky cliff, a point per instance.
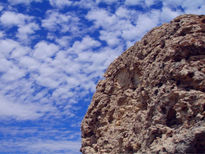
(152, 99)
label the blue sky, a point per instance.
(53, 52)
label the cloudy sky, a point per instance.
(53, 52)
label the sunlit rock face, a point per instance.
(152, 99)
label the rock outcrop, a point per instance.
(152, 99)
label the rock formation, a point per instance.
(152, 99)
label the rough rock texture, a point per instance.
(153, 97)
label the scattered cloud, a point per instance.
(188, 6)
(1, 7)
(112, 38)
(9, 18)
(39, 139)
(102, 18)
(147, 21)
(107, 1)
(24, 31)
(64, 41)
(1, 34)
(134, 2)
(14, 2)
(85, 44)
(167, 14)
(41, 146)
(60, 3)
(19, 111)
(51, 146)
(43, 50)
(149, 2)
(56, 21)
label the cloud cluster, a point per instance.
(24, 23)
(27, 2)
(41, 146)
(56, 21)
(60, 3)
(21, 111)
(39, 140)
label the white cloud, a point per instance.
(20, 111)
(142, 3)
(5, 65)
(44, 50)
(55, 146)
(20, 51)
(115, 26)
(123, 12)
(61, 133)
(86, 43)
(189, 6)
(168, 14)
(146, 22)
(60, 3)
(128, 27)
(172, 3)
(14, 73)
(102, 18)
(25, 31)
(40, 139)
(25, 26)
(1, 7)
(12, 49)
(13, 19)
(14, 2)
(110, 37)
(130, 32)
(61, 22)
(29, 63)
(64, 92)
(48, 76)
(196, 7)
(47, 81)
(1, 34)
(7, 46)
(149, 2)
(107, 1)
(32, 146)
(64, 41)
(133, 2)
(85, 4)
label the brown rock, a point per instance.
(153, 97)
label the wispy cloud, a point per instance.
(40, 140)
(56, 21)
(60, 3)
(50, 146)
(41, 146)
(20, 111)
(134, 2)
(27, 2)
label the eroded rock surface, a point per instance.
(153, 97)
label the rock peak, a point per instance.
(153, 97)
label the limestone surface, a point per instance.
(152, 99)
